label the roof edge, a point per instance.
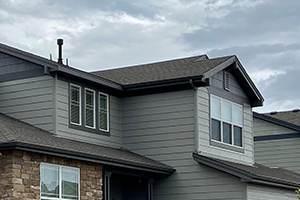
(243, 175)
(84, 157)
(276, 121)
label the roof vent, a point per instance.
(273, 113)
(60, 42)
(226, 80)
(296, 110)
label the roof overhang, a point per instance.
(83, 157)
(243, 175)
(235, 67)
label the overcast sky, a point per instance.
(99, 34)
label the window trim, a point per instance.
(231, 123)
(94, 111)
(80, 104)
(107, 110)
(60, 180)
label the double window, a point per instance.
(89, 108)
(226, 121)
(59, 182)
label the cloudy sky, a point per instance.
(100, 34)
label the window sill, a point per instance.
(227, 146)
(90, 130)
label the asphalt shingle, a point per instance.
(13, 130)
(159, 71)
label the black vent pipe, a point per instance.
(60, 42)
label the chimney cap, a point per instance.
(60, 41)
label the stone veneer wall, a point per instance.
(20, 175)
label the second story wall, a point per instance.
(276, 151)
(234, 97)
(114, 137)
(25, 92)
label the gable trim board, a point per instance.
(240, 170)
(276, 137)
(276, 121)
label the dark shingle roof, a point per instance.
(159, 71)
(254, 172)
(17, 133)
(287, 116)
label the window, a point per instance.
(103, 112)
(90, 108)
(59, 182)
(75, 101)
(226, 121)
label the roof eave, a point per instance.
(244, 176)
(84, 157)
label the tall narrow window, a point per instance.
(103, 112)
(59, 182)
(89, 108)
(226, 121)
(75, 101)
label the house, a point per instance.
(178, 129)
(277, 138)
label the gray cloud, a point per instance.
(102, 34)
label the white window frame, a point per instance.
(60, 181)
(231, 123)
(94, 112)
(80, 103)
(107, 106)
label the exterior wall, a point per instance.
(62, 120)
(20, 175)
(235, 88)
(29, 100)
(279, 152)
(259, 192)
(263, 128)
(204, 146)
(162, 127)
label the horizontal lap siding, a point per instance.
(63, 130)
(259, 192)
(204, 132)
(29, 100)
(162, 127)
(279, 152)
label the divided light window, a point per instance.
(226, 121)
(103, 112)
(59, 182)
(75, 101)
(90, 108)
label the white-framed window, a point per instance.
(90, 111)
(103, 112)
(75, 104)
(226, 121)
(59, 182)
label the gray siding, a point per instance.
(10, 65)
(204, 145)
(262, 128)
(235, 88)
(276, 153)
(162, 127)
(29, 100)
(259, 192)
(62, 120)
